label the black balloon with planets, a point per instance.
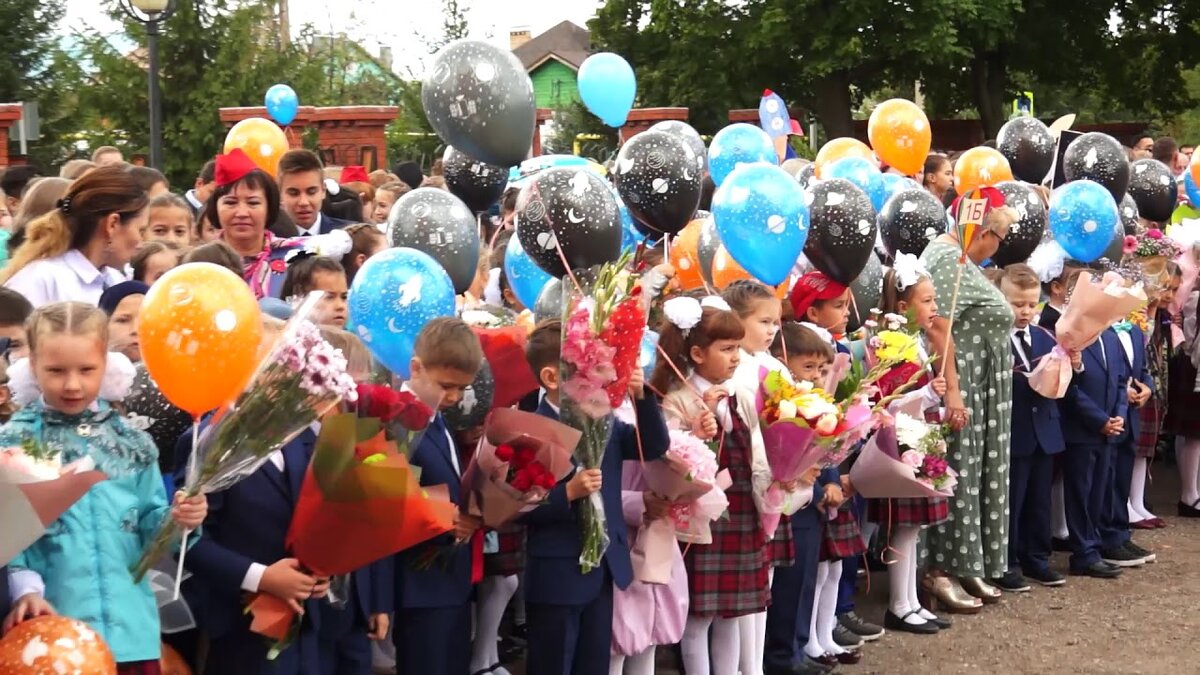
(436, 222)
(478, 98)
(1128, 210)
(706, 249)
(1028, 145)
(1025, 234)
(909, 220)
(572, 209)
(865, 291)
(1152, 186)
(147, 409)
(841, 231)
(475, 403)
(478, 184)
(656, 176)
(688, 134)
(1098, 157)
(807, 175)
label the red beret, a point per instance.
(233, 166)
(812, 287)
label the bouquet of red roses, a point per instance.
(402, 413)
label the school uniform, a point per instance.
(244, 532)
(1049, 317)
(433, 601)
(569, 613)
(344, 646)
(1114, 527)
(1036, 438)
(1095, 395)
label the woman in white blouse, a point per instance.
(78, 249)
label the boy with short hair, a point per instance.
(301, 194)
(14, 310)
(433, 620)
(570, 613)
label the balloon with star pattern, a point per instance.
(572, 209)
(478, 184)
(865, 293)
(688, 134)
(147, 409)
(1025, 234)
(909, 220)
(475, 403)
(655, 174)
(436, 222)
(479, 98)
(1083, 219)
(1027, 144)
(738, 144)
(1152, 186)
(762, 220)
(706, 249)
(1128, 209)
(841, 233)
(1099, 158)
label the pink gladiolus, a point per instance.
(935, 467)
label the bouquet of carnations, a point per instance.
(35, 489)
(603, 322)
(521, 457)
(905, 459)
(300, 379)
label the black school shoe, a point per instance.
(844, 638)
(1098, 570)
(1060, 545)
(1011, 582)
(864, 629)
(1121, 557)
(1145, 554)
(1046, 577)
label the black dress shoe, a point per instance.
(893, 622)
(1061, 545)
(1098, 570)
(1121, 557)
(1011, 582)
(808, 666)
(827, 660)
(941, 623)
(849, 658)
(1189, 510)
(1046, 577)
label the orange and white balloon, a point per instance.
(53, 645)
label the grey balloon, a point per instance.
(549, 303)
(865, 291)
(478, 98)
(436, 222)
(475, 403)
(706, 250)
(1130, 215)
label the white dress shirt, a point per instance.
(68, 277)
(312, 230)
(1126, 339)
(1024, 346)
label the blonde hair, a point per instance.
(66, 318)
(75, 168)
(40, 198)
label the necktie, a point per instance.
(1024, 348)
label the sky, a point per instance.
(399, 24)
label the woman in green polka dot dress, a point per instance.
(973, 544)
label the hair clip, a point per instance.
(64, 204)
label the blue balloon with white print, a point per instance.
(762, 220)
(863, 174)
(282, 104)
(648, 356)
(395, 293)
(1083, 217)
(739, 144)
(523, 275)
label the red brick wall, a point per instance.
(354, 135)
(641, 119)
(295, 131)
(9, 114)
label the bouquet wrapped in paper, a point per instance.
(361, 501)
(300, 379)
(603, 322)
(35, 489)
(803, 426)
(520, 458)
(904, 459)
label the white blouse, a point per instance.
(68, 277)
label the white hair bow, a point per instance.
(118, 380)
(716, 302)
(684, 312)
(491, 292)
(909, 270)
(1047, 261)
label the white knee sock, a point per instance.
(694, 644)
(725, 646)
(494, 594)
(1058, 511)
(1137, 491)
(752, 632)
(814, 648)
(616, 664)
(1187, 452)
(640, 664)
(519, 603)
(828, 613)
(902, 574)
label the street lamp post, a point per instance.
(151, 13)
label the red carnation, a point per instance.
(522, 481)
(504, 453)
(412, 413)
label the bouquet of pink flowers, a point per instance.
(35, 489)
(904, 459)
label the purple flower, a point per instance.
(934, 467)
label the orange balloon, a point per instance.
(200, 330)
(899, 133)
(171, 663)
(1194, 168)
(56, 644)
(685, 258)
(725, 271)
(980, 167)
(840, 148)
(261, 139)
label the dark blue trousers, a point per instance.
(1029, 534)
(241, 652)
(792, 591)
(574, 639)
(1086, 493)
(344, 646)
(433, 640)
(848, 584)
(1114, 528)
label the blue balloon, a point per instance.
(1193, 192)
(863, 174)
(648, 356)
(739, 144)
(892, 184)
(762, 220)
(523, 275)
(395, 293)
(607, 86)
(1083, 217)
(282, 103)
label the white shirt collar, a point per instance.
(190, 195)
(313, 229)
(81, 266)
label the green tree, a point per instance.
(27, 33)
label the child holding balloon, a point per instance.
(80, 566)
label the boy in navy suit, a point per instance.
(1036, 438)
(570, 613)
(433, 601)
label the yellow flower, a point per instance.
(897, 346)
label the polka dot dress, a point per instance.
(974, 541)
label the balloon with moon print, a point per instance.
(909, 220)
(478, 184)
(892, 184)
(436, 222)
(1099, 158)
(1152, 186)
(522, 274)
(478, 98)
(147, 409)
(476, 401)
(841, 233)
(762, 220)
(395, 293)
(688, 134)
(736, 144)
(865, 293)
(1083, 218)
(572, 209)
(1028, 145)
(655, 174)
(1128, 210)
(1025, 234)
(861, 172)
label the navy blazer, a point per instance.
(288, 228)
(553, 544)
(1049, 318)
(246, 524)
(1096, 394)
(447, 582)
(1035, 418)
(1139, 370)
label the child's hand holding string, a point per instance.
(189, 512)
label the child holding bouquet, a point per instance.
(80, 567)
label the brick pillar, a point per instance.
(293, 131)
(10, 113)
(354, 135)
(750, 115)
(641, 119)
(543, 116)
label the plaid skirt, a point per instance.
(139, 668)
(781, 551)
(728, 578)
(510, 559)
(842, 537)
(1150, 420)
(908, 511)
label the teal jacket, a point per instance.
(85, 555)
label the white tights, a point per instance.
(752, 638)
(824, 615)
(638, 664)
(1137, 491)
(725, 647)
(1187, 453)
(494, 594)
(902, 577)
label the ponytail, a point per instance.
(46, 237)
(715, 324)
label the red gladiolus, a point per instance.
(504, 453)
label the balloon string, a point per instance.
(854, 304)
(183, 541)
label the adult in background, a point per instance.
(75, 168)
(202, 189)
(152, 180)
(409, 173)
(302, 193)
(973, 544)
(76, 251)
(107, 154)
(15, 181)
(1143, 147)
